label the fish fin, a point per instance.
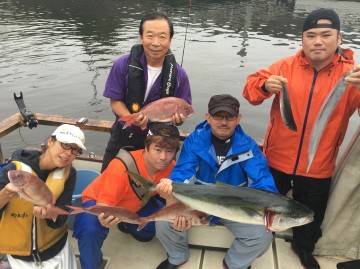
(75, 209)
(128, 119)
(24, 193)
(146, 198)
(250, 211)
(187, 208)
(143, 181)
(146, 184)
(53, 215)
(53, 198)
(142, 224)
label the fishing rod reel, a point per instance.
(28, 118)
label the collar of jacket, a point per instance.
(342, 55)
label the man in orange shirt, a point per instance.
(114, 188)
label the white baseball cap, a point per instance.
(70, 134)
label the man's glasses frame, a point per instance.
(218, 117)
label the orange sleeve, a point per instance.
(252, 90)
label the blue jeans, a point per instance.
(91, 234)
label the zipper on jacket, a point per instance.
(267, 138)
(36, 258)
(34, 251)
(305, 121)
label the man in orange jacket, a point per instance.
(309, 75)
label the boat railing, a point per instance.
(15, 122)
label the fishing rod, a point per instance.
(186, 29)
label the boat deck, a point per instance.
(122, 251)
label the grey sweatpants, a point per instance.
(251, 241)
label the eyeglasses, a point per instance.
(75, 151)
(221, 117)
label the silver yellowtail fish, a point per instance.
(323, 116)
(161, 110)
(240, 204)
(118, 212)
(34, 190)
(171, 212)
(285, 107)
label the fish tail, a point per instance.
(76, 210)
(128, 119)
(146, 184)
(142, 223)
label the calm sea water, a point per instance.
(59, 53)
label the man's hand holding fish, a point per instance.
(109, 221)
(275, 83)
(164, 189)
(354, 78)
(10, 192)
(44, 212)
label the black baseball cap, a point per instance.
(165, 130)
(311, 20)
(224, 102)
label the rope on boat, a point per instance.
(22, 138)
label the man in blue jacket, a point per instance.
(218, 150)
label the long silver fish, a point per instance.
(326, 110)
(240, 204)
(285, 107)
